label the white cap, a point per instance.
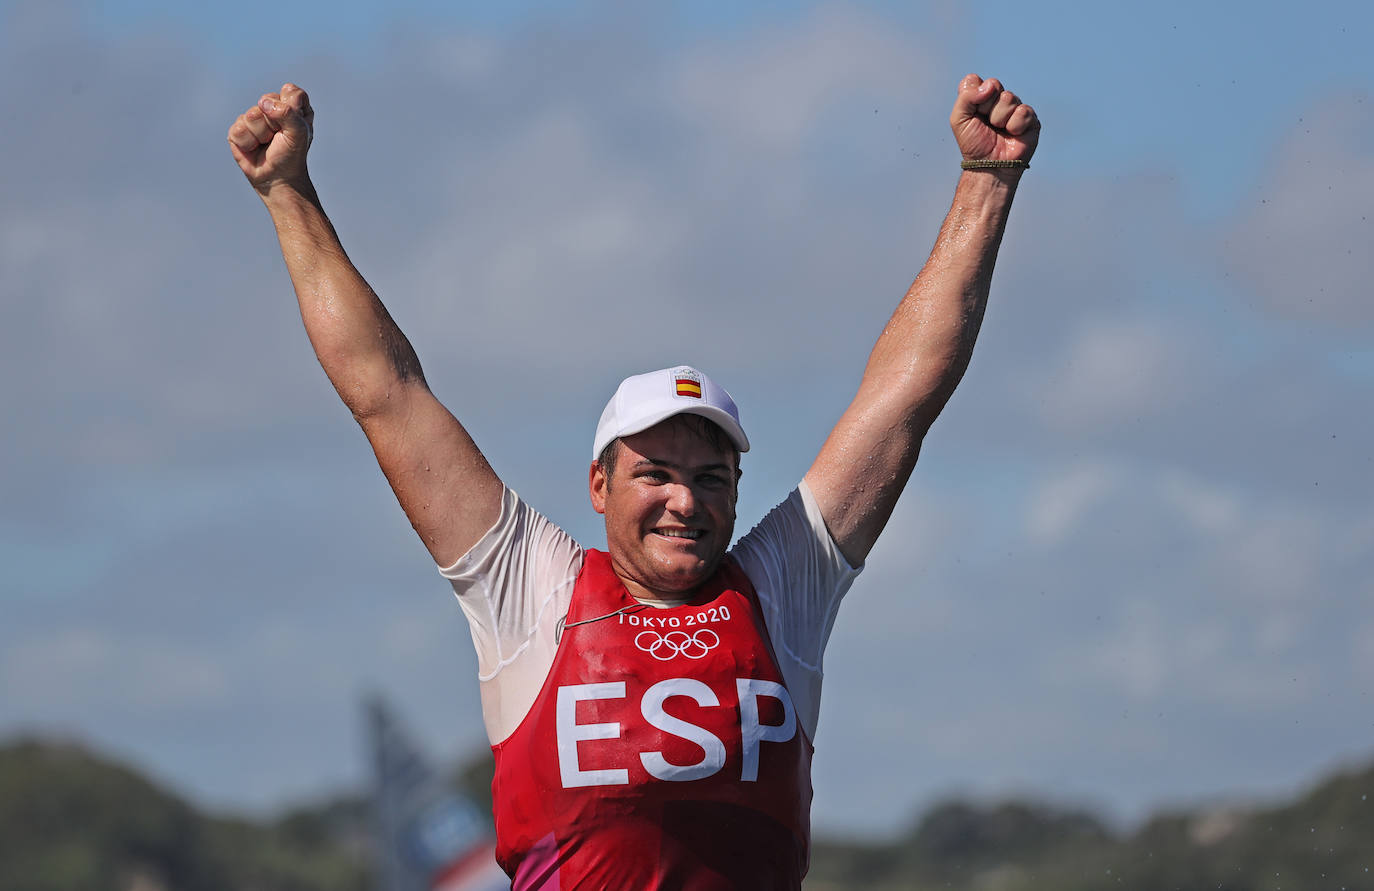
(644, 400)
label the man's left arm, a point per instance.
(926, 345)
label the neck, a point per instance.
(645, 594)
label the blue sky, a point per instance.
(1133, 568)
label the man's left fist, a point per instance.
(991, 123)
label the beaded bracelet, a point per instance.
(992, 164)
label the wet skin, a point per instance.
(669, 506)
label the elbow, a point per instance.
(928, 389)
(913, 402)
(369, 384)
(366, 397)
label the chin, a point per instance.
(687, 578)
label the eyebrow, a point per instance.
(659, 462)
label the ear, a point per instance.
(597, 483)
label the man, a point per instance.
(651, 708)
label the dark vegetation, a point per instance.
(70, 819)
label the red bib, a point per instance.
(662, 752)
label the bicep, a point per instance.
(441, 479)
(862, 469)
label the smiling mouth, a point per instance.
(689, 534)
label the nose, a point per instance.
(681, 499)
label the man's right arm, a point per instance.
(444, 484)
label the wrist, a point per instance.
(991, 179)
(986, 194)
(288, 195)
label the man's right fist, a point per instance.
(269, 141)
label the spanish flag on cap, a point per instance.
(643, 400)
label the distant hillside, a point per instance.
(1324, 840)
(71, 819)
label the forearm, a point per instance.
(355, 339)
(926, 346)
(442, 481)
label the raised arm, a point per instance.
(925, 348)
(444, 484)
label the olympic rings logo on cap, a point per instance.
(677, 643)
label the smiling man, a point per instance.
(651, 707)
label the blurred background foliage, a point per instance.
(71, 818)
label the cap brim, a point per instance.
(719, 416)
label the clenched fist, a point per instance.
(991, 123)
(270, 140)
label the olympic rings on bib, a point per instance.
(677, 643)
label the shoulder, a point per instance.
(520, 534)
(800, 577)
(513, 586)
(792, 531)
(797, 570)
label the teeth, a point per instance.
(680, 533)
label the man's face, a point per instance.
(669, 505)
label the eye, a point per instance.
(712, 481)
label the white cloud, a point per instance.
(771, 93)
(77, 668)
(1303, 244)
(652, 210)
(1362, 652)
(414, 637)
(1275, 555)
(1062, 502)
(1139, 654)
(1113, 371)
(462, 58)
(1202, 591)
(1205, 506)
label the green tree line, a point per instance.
(72, 819)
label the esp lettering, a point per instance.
(752, 733)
